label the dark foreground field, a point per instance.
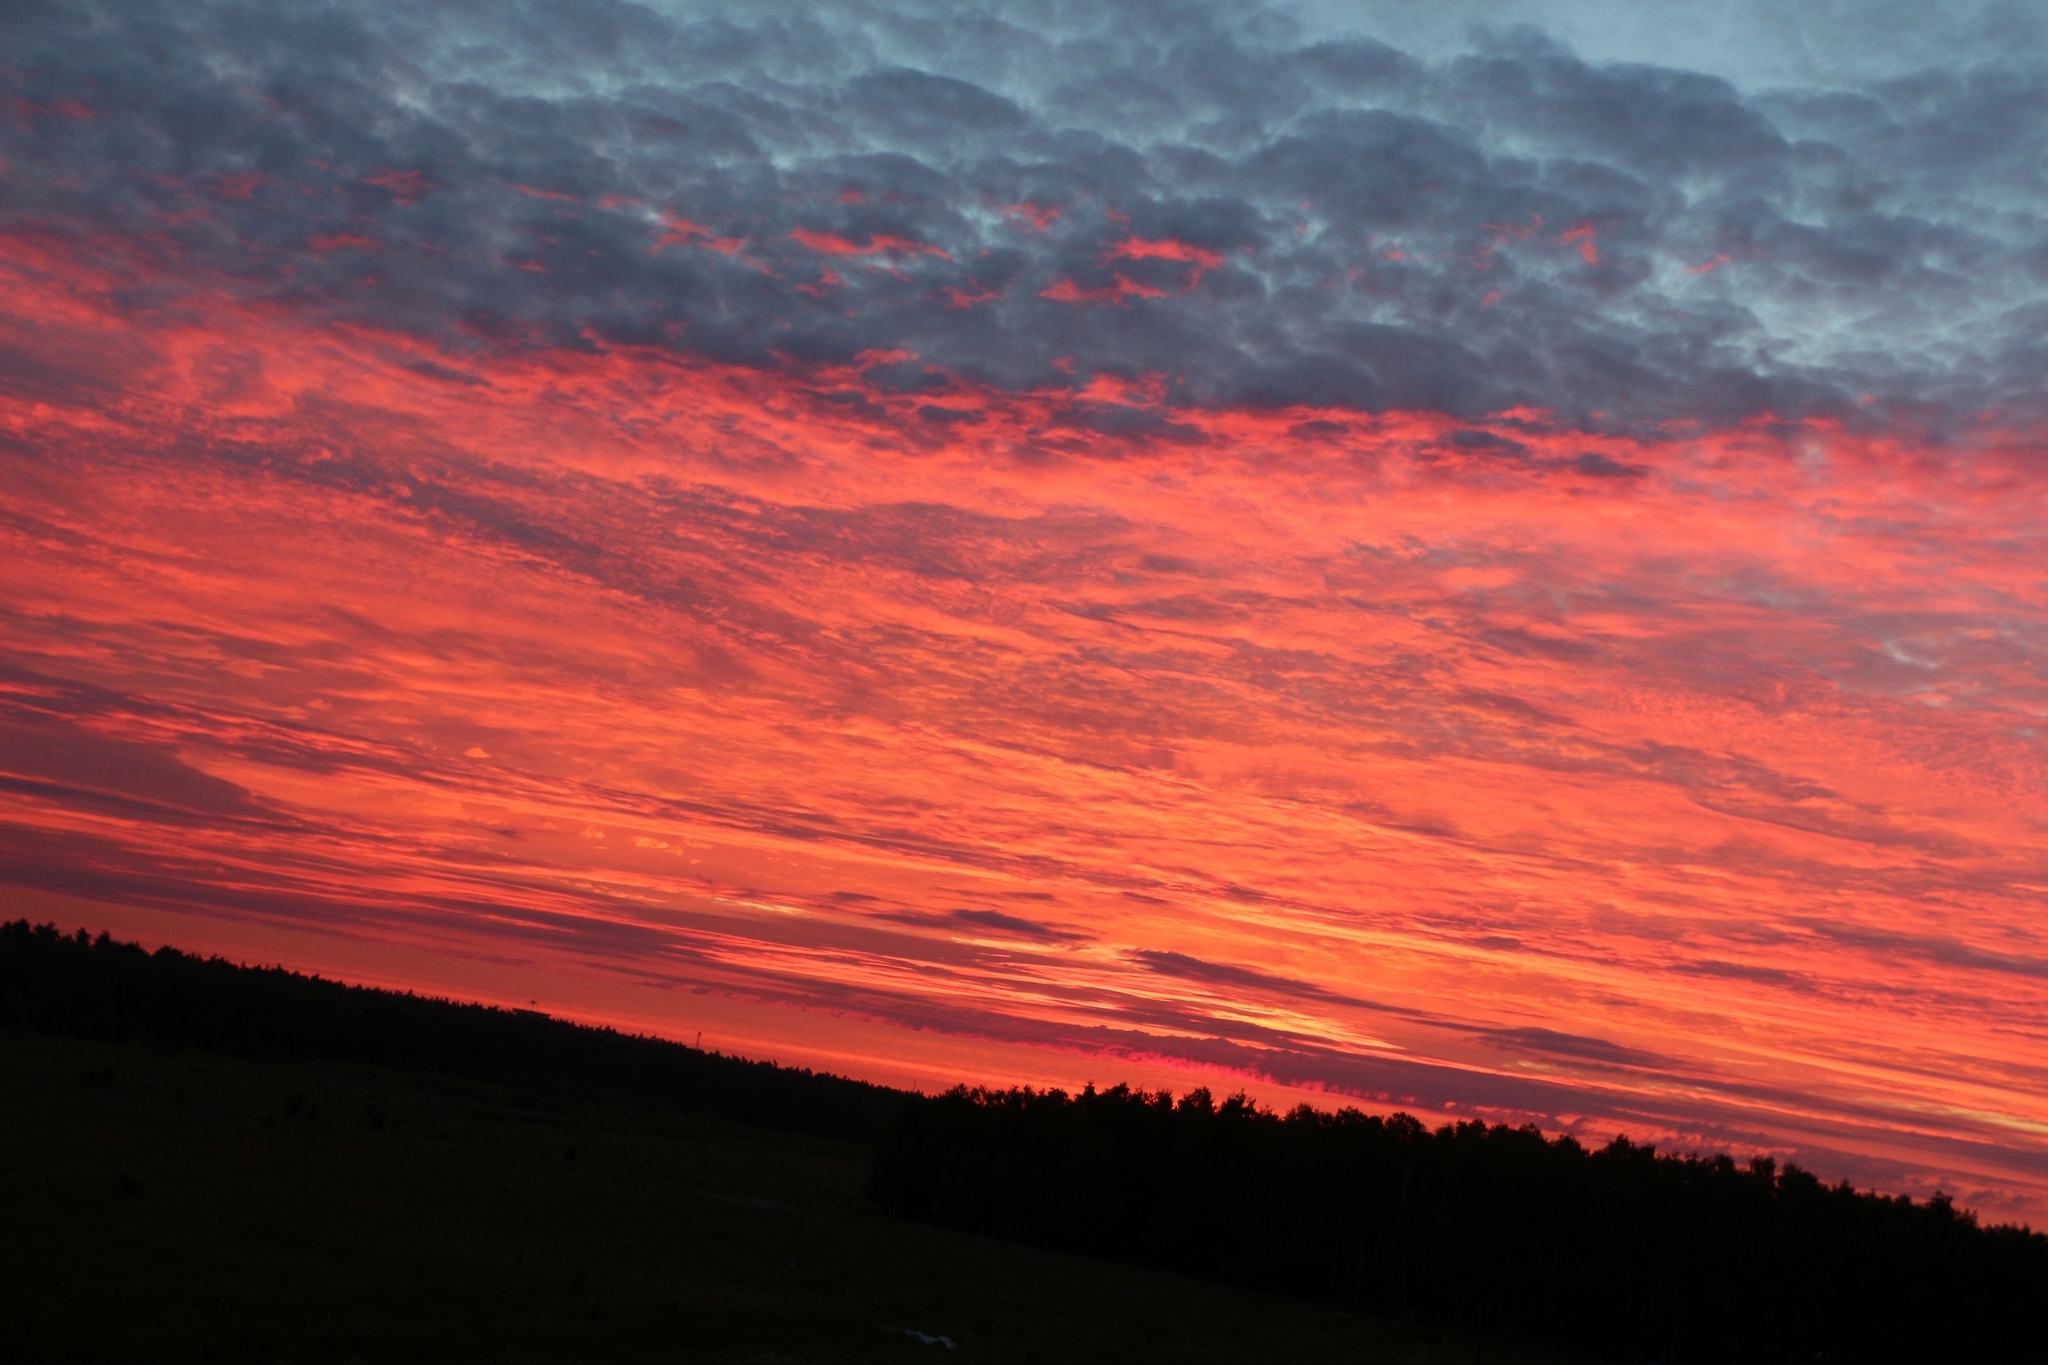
(165, 1206)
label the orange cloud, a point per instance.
(1677, 782)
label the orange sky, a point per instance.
(1685, 783)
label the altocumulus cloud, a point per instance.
(1254, 209)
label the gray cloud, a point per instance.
(1471, 226)
(1187, 968)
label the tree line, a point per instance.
(81, 986)
(1622, 1251)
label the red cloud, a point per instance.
(831, 244)
(406, 187)
(551, 196)
(679, 231)
(342, 241)
(1036, 217)
(1123, 288)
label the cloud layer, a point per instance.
(1474, 579)
(1257, 212)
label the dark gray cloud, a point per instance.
(1262, 210)
(1239, 978)
(1012, 924)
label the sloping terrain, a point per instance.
(183, 1205)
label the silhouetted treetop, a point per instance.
(1623, 1250)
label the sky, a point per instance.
(1482, 560)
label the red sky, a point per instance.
(1683, 784)
(1193, 552)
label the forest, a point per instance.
(1621, 1250)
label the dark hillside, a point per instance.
(1623, 1251)
(180, 1206)
(85, 987)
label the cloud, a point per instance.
(1169, 963)
(1464, 232)
(80, 769)
(1011, 924)
(1551, 1043)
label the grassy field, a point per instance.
(163, 1206)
